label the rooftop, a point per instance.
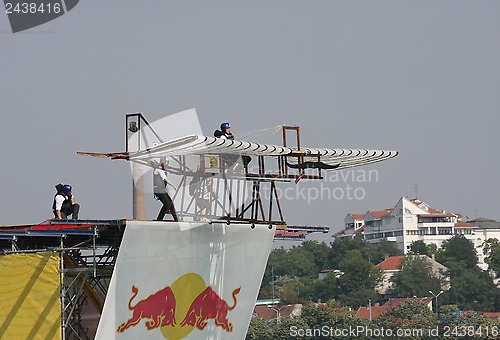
(271, 313)
(485, 223)
(462, 224)
(391, 263)
(380, 213)
(359, 217)
(377, 311)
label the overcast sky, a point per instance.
(420, 77)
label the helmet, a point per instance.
(67, 188)
(224, 126)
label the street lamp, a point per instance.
(436, 297)
(278, 310)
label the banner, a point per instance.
(30, 307)
(185, 281)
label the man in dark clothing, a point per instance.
(64, 203)
(160, 182)
(225, 133)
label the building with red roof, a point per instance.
(393, 264)
(376, 311)
(353, 223)
(413, 220)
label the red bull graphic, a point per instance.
(188, 299)
(158, 308)
(209, 305)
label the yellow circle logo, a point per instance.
(186, 289)
(177, 309)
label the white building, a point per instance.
(354, 224)
(412, 220)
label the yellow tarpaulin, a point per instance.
(30, 307)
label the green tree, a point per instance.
(381, 250)
(288, 289)
(323, 289)
(432, 249)
(419, 248)
(259, 329)
(319, 252)
(287, 328)
(415, 312)
(359, 297)
(492, 252)
(374, 253)
(358, 281)
(472, 290)
(301, 263)
(415, 278)
(458, 253)
(452, 317)
(323, 317)
(276, 264)
(448, 314)
(307, 289)
(410, 315)
(340, 247)
(296, 262)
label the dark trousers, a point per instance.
(168, 206)
(74, 210)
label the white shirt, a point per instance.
(163, 176)
(161, 173)
(59, 201)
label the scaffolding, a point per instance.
(87, 252)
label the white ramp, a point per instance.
(185, 281)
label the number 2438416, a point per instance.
(32, 8)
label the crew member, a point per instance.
(64, 203)
(160, 182)
(200, 188)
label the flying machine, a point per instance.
(237, 192)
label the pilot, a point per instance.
(160, 182)
(224, 132)
(64, 203)
(229, 160)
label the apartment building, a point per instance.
(412, 220)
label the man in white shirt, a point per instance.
(160, 182)
(64, 203)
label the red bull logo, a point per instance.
(158, 309)
(209, 305)
(187, 299)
